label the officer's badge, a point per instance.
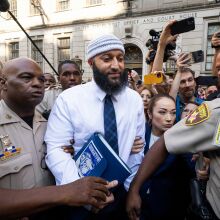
(7, 150)
(199, 115)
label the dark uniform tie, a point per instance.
(110, 126)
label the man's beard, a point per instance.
(107, 85)
(188, 94)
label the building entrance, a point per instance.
(133, 58)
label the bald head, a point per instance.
(12, 66)
(23, 85)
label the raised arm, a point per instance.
(165, 39)
(181, 62)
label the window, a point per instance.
(212, 28)
(35, 54)
(133, 58)
(63, 49)
(13, 50)
(35, 7)
(93, 2)
(13, 8)
(63, 5)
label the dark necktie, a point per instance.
(110, 126)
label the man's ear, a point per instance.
(58, 78)
(90, 62)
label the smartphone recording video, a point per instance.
(183, 26)
(196, 57)
(153, 78)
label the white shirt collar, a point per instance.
(101, 94)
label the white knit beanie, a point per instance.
(104, 43)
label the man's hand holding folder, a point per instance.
(93, 191)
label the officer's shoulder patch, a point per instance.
(199, 115)
(7, 149)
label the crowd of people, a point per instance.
(167, 134)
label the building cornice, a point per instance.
(125, 16)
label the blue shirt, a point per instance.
(180, 105)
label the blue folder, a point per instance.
(97, 158)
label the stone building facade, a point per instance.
(62, 29)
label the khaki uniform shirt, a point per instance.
(49, 99)
(197, 133)
(24, 170)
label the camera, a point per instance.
(152, 44)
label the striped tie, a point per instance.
(110, 126)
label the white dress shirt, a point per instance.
(78, 113)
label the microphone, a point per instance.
(152, 32)
(4, 5)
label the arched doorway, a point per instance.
(133, 58)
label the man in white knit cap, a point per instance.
(79, 112)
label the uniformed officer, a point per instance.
(50, 80)
(69, 75)
(21, 129)
(22, 149)
(200, 131)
